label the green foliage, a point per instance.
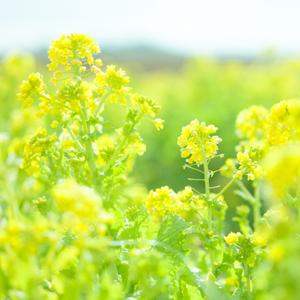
(76, 224)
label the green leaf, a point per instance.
(123, 268)
(219, 203)
(244, 196)
(108, 124)
(171, 238)
(190, 276)
(214, 291)
(137, 228)
(198, 229)
(229, 256)
(237, 295)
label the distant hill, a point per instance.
(142, 57)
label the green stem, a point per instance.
(245, 190)
(247, 275)
(101, 102)
(226, 187)
(256, 208)
(209, 205)
(88, 143)
(121, 145)
(75, 140)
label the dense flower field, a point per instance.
(74, 224)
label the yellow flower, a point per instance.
(185, 195)
(70, 48)
(95, 69)
(54, 124)
(282, 167)
(232, 281)
(195, 142)
(249, 163)
(113, 80)
(283, 123)
(251, 123)
(70, 94)
(159, 123)
(36, 150)
(147, 105)
(259, 240)
(160, 202)
(231, 238)
(34, 85)
(72, 197)
(98, 62)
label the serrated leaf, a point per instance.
(171, 238)
(137, 228)
(190, 276)
(198, 229)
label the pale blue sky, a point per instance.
(235, 27)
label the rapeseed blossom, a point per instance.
(115, 82)
(68, 49)
(147, 105)
(196, 143)
(232, 238)
(34, 85)
(81, 200)
(251, 123)
(249, 163)
(37, 150)
(159, 124)
(282, 167)
(283, 123)
(161, 201)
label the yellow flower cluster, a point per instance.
(237, 238)
(232, 238)
(283, 123)
(71, 196)
(37, 150)
(186, 195)
(282, 167)
(195, 141)
(81, 207)
(23, 236)
(34, 85)
(249, 163)
(68, 49)
(165, 200)
(251, 123)
(147, 105)
(186, 201)
(115, 82)
(68, 97)
(160, 202)
(71, 93)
